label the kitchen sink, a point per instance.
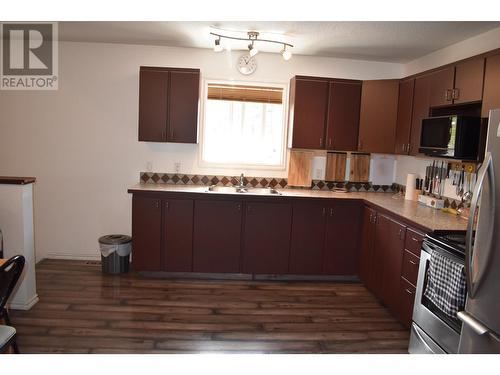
(243, 190)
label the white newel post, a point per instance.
(16, 223)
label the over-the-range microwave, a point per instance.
(455, 136)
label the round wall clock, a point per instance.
(246, 64)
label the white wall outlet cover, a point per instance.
(149, 166)
(177, 166)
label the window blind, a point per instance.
(255, 94)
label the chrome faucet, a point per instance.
(242, 184)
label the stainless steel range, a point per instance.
(434, 331)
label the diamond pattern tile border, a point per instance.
(188, 179)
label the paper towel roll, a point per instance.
(410, 186)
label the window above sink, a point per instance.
(244, 125)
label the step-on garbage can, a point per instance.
(115, 253)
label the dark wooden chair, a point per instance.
(10, 272)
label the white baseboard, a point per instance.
(72, 256)
(24, 306)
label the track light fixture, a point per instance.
(218, 47)
(253, 36)
(287, 55)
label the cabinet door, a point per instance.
(343, 116)
(406, 301)
(307, 240)
(491, 94)
(420, 111)
(153, 87)
(367, 262)
(178, 232)
(390, 243)
(405, 111)
(441, 87)
(469, 81)
(216, 236)
(183, 106)
(377, 122)
(266, 242)
(308, 104)
(343, 226)
(146, 233)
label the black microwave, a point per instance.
(454, 137)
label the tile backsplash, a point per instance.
(188, 179)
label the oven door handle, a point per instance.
(422, 340)
(473, 281)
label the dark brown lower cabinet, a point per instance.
(146, 233)
(307, 240)
(366, 271)
(343, 225)
(266, 242)
(406, 300)
(217, 236)
(178, 235)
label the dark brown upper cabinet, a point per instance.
(457, 84)
(308, 105)
(420, 110)
(168, 104)
(324, 113)
(378, 116)
(343, 116)
(405, 111)
(491, 93)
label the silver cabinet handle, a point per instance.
(320, 142)
(486, 168)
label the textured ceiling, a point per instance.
(378, 41)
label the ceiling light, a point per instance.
(252, 37)
(252, 51)
(218, 47)
(287, 55)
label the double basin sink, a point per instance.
(243, 190)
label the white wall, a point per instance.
(476, 45)
(81, 141)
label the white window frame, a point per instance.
(284, 136)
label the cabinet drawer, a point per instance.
(406, 300)
(410, 267)
(413, 241)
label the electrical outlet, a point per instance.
(149, 166)
(177, 166)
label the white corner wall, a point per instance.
(80, 142)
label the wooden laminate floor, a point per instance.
(83, 311)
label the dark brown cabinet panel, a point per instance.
(153, 88)
(343, 116)
(308, 235)
(183, 106)
(366, 270)
(146, 233)
(266, 243)
(491, 93)
(441, 87)
(406, 300)
(168, 104)
(378, 115)
(308, 104)
(405, 112)
(178, 232)
(217, 236)
(391, 238)
(343, 225)
(420, 111)
(468, 81)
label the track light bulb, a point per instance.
(218, 47)
(287, 55)
(252, 51)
